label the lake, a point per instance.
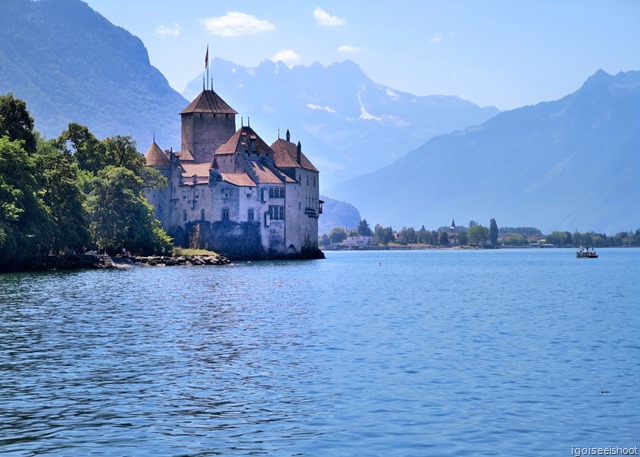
(483, 353)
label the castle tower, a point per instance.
(207, 123)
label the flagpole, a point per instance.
(206, 63)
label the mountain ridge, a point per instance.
(546, 165)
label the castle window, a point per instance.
(184, 215)
(250, 215)
(202, 214)
(276, 212)
(314, 181)
(225, 214)
(276, 192)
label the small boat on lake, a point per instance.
(585, 252)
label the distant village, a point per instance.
(474, 236)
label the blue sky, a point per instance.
(503, 53)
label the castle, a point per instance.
(231, 193)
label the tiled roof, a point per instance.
(238, 179)
(285, 155)
(155, 156)
(243, 134)
(208, 102)
(200, 170)
(265, 175)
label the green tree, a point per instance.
(16, 123)
(407, 235)
(120, 215)
(364, 229)
(493, 232)
(477, 234)
(443, 239)
(463, 240)
(337, 235)
(61, 193)
(120, 151)
(87, 150)
(24, 220)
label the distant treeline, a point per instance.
(71, 193)
(478, 235)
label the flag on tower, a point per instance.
(206, 58)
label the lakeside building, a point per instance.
(230, 192)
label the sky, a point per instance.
(502, 53)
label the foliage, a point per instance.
(364, 229)
(178, 251)
(477, 234)
(337, 235)
(72, 192)
(493, 232)
(24, 220)
(62, 194)
(443, 239)
(120, 216)
(384, 235)
(16, 123)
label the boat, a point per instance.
(585, 252)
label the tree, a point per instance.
(443, 239)
(477, 234)
(463, 240)
(407, 235)
(120, 215)
(337, 235)
(364, 229)
(87, 150)
(493, 232)
(16, 123)
(60, 191)
(423, 236)
(24, 220)
(120, 151)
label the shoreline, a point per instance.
(76, 262)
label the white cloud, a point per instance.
(324, 18)
(235, 23)
(321, 108)
(349, 49)
(437, 38)
(166, 31)
(288, 56)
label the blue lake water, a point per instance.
(443, 353)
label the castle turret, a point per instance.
(207, 123)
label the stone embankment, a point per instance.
(97, 261)
(167, 261)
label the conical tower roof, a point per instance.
(208, 102)
(155, 157)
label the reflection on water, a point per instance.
(395, 353)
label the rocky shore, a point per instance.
(97, 262)
(167, 261)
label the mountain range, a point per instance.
(348, 124)
(567, 164)
(70, 64)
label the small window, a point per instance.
(250, 215)
(184, 215)
(225, 214)
(202, 214)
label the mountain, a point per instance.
(337, 214)
(72, 65)
(348, 124)
(568, 164)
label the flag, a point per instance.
(206, 58)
